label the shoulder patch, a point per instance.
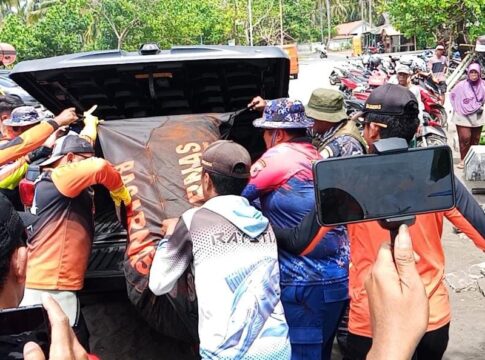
(257, 167)
(326, 152)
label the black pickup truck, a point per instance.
(202, 79)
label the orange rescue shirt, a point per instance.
(25, 143)
(60, 240)
(365, 241)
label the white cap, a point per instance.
(403, 69)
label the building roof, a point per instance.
(388, 28)
(342, 37)
(349, 28)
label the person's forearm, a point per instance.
(72, 178)
(288, 240)
(303, 238)
(28, 141)
(163, 273)
(390, 346)
(172, 258)
(386, 352)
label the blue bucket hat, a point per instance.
(24, 116)
(283, 114)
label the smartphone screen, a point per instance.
(19, 326)
(372, 187)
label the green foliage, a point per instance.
(59, 31)
(118, 22)
(191, 22)
(302, 20)
(42, 28)
(438, 20)
(15, 31)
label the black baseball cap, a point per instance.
(69, 144)
(391, 99)
(224, 156)
(12, 226)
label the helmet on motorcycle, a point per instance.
(365, 59)
(418, 65)
(24, 116)
(406, 60)
(456, 55)
(375, 61)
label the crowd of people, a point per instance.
(320, 268)
(59, 229)
(271, 283)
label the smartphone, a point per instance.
(385, 186)
(19, 326)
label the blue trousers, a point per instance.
(313, 314)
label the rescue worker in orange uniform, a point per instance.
(34, 137)
(60, 239)
(392, 111)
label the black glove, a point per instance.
(40, 153)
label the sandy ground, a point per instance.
(467, 330)
(467, 337)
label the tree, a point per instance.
(193, 22)
(41, 28)
(15, 31)
(117, 18)
(301, 20)
(438, 21)
(33, 10)
(60, 30)
(8, 7)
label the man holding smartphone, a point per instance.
(13, 253)
(392, 111)
(438, 66)
(13, 267)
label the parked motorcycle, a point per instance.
(430, 134)
(433, 107)
(426, 82)
(355, 67)
(353, 106)
(335, 76)
(377, 78)
(379, 49)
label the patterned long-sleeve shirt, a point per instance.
(283, 181)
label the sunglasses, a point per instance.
(85, 155)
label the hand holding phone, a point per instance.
(64, 344)
(21, 325)
(396, 290)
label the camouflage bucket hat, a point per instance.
(283, 114)
(24, 116)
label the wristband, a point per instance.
(53, 124)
